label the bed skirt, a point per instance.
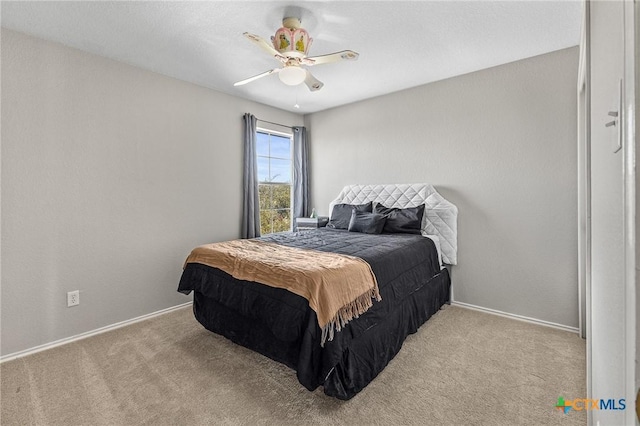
(348, 376)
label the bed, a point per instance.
(408, 270)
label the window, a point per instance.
(274, 180)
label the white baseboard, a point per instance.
(81, 336)
(100, 330)
(517, 317)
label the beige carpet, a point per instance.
(462, 367)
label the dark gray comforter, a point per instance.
(281, 325)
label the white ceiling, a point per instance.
(402, 44)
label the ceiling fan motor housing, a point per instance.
(291, 40)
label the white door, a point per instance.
(611, 351)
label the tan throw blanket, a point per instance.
(338, 287)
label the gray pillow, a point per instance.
(365, 222)
(408, 221)
(341, 214)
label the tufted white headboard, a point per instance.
(440, 216)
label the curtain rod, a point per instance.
(277, 124)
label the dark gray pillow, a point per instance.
(365, 222)
(341, 214)
(407, 221)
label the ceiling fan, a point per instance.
(290, 45)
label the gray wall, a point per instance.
(501, 145)
(110, 176)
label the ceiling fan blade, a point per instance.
(255, 77)
(265, 45)
(312, 83)
(345, 55)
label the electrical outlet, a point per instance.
(73, 298)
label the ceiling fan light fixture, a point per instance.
(292, 75)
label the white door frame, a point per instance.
(628, 126)
(584, 195)
(584, 177)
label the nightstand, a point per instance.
(307, 223)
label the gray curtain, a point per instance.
(301, 201)
(250, 202)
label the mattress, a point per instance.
(280, 324)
